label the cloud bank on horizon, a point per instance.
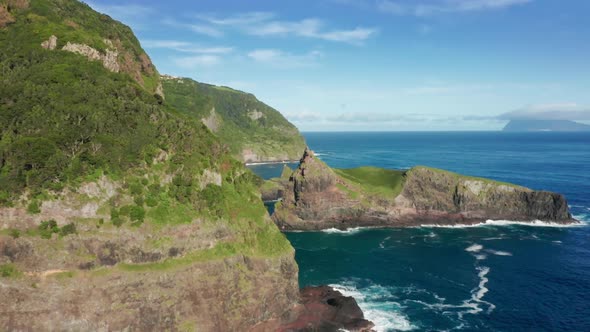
(379, 64)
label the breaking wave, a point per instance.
(378, 306)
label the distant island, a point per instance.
(545, 125)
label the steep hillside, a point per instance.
(315, 196)
(118, 212)
(252, 130)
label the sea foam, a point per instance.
(474, 248)
(340, 231)
(386, 315)
(535, 223)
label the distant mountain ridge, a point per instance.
(545, 125)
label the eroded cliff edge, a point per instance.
(315, 197)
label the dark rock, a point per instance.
(322, 309)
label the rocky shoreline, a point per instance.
(316, 197)
(322, 308)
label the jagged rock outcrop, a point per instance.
(50, 44)
(317, 197)
(322, 309)
(109, 59)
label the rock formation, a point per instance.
(109, 59)
(322, 309)
(317, 197)
(50, 44)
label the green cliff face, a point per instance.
(252, 130)
(123, 210)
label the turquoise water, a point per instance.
(505, 277)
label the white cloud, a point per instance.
(206, 30)
(278, 58)
(554, 111)
(434, 7)
(186, 47)
(204, 60)
(303, 116)
(264, 24)
(238, 19)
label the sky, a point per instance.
(383, 65)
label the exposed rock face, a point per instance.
(109, 59)
(146, 278)
(50, 44)
(6, 17)
(430, 189)
(317, 198)
(227, 295)
(84, 203)
(210, 177)
(213, 121)
(322, 309)
(255, 115)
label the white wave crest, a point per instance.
(534, 223)
(481, 257)
(386, 315)
(498, 252)
(474, 248)
(340, 231)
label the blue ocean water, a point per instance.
(487, 278)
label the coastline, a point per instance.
(351, 229)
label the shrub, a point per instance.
(137, 213)
(138, 200)
(15, 233)
(47, 228)
(33, 207)
(151, 201)
(68, 229)
(117, 221)
(136, 189)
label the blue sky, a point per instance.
(379, 64)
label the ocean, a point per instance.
(498, 277)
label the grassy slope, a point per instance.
(389, 183)
(65, 120)
(375, 181)
(271, 135)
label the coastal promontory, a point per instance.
(315, 196)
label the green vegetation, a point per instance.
(63, 117)
(9, 271)
(373, 180)
(461, 176)
(242, 121)
(49, 227)
(66, 121)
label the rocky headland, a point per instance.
(314, 197)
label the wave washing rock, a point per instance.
(322, 309)
(318, 197)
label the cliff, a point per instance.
(118, 212)
(253, 131)
(318, 197)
